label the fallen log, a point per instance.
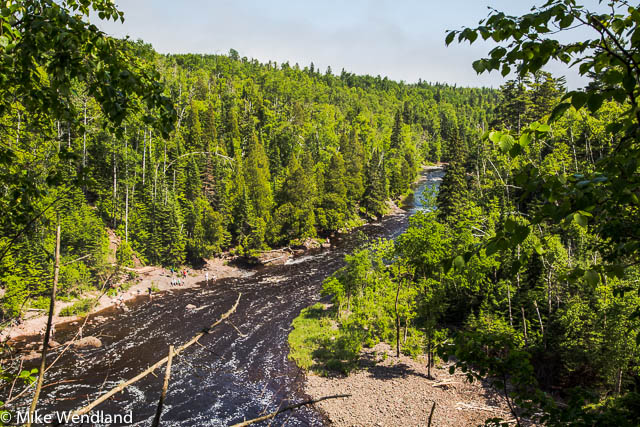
(156, 365)
(167, 374)
(288, 408)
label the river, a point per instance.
(240, 370)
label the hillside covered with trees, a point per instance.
(527, 271)
(259, 156)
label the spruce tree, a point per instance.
(453, 192)
(375, 193)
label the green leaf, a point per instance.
(506, 142)
(525, 139)
(592, 277)
(458, 262)
(595, 102)
(578, 99)
(450, 38)
(479, 66)
(495, 136)
(558, 111)
(520, 234)
(538, 248)
(543, 128)
(581, 219)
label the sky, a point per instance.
(401, 39)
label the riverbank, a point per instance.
(387, 391)
(155, 277)
(159, 278)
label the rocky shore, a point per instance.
(387, 391)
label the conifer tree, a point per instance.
(375, 193)
(295, 218)
(353, 153)
(333, 210)
(453, 192)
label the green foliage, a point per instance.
(78, 308)
(124, 255)
(317, 343)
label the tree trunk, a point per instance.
(524, 326)
(167, 375)
(509, 300)
(84, 146)
(126, 186)
(144, 157)
(45, 341)
(18, 131)
(115, 184)
(535, 304)
(397, 322)
(429, 354)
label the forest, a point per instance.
(261, 156)
(526, 272)
(524, 275)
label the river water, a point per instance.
(240, 370)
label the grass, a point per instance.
(316, 342)
(78, 308)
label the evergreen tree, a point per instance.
(333, 211)
(375, 193)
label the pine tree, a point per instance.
(353, 153)
(375, 193)
(295, 218)
(453, 192)
(333, 211)
(396, 133)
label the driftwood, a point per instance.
(67, 346)
(156, 365)
(462, 406)
(445, 383)
(167, 375)
(288, 408)
(267, 261)
(45, 342)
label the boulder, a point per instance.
(88, 342)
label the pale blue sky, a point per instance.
(401, 39)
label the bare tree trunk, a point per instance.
(619, 382)
(509, 300)
(126, 186)
(156, 365)
(288, 408)
(406, 326)
(535, 304)
(84, 145)
(397, 322)
(167, 375)
(524, 326)
(144, 157)
(45, 341)
(429, 354)
(115, 184)
(18, 131)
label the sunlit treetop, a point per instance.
(47, 47)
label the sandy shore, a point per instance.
(146, 277)
(396, 392)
